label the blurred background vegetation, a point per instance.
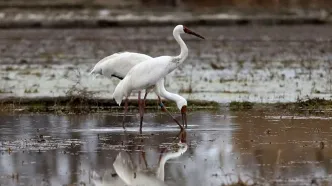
(197, 5)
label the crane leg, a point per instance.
(144, 158)
(146, 94)
(125, 112)
(140, 111)
(141, 104)
(164, 109)
(142, 153)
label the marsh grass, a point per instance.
(240, 106)
(79, 100)
(313, 106)
(84, 104)
(78, 95)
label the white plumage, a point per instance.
(143, 75)
(119, 64)
(146, 74)
(125, 169)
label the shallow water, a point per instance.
(222, 147)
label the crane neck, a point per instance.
(180, 101)
(184, 49)
(164, 159)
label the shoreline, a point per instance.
(77, 104)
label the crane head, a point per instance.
(180, 29)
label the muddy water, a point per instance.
(222, 148)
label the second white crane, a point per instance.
(147, 74)
(118, 65)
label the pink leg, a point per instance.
(146, 94)
(144, 159)
(125, 112)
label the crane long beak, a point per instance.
(165, 110)
(186, 30)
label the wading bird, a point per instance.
(126, 173)
(124, 168)
(148, 73)
(119, 64)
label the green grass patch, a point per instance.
(5, 92)
(9, 68)
(238, 106)
(37, 107)
(31, 91)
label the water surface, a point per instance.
(223, 147)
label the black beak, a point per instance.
(186, 30)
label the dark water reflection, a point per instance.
(74, 149)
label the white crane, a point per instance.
(148, 73)
(128, 174)
(118, 65)
(124, 168)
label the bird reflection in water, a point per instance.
(129, 174)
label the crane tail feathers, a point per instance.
(118, 93)
(118, 101)
(92, 71)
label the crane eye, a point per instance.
(185, 29)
